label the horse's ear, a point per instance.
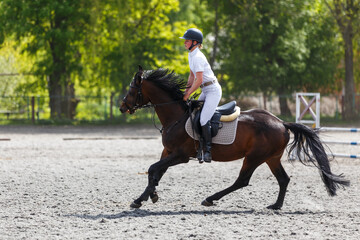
(141, 70)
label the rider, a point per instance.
(202, 76)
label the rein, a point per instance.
(162, 104)
(157, 105)
(137, 106)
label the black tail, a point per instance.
(306, 139)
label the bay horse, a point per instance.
(261, 137)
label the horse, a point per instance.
(261, 137)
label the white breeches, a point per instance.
(211, 95)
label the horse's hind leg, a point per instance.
(282, 178)
(242, 181)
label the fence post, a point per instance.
(315, 115)
(28, 107)
(105, 108)
(337, 108)
(33, 110)
(111, 105)
(38, 108)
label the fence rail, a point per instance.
(95, 108)
(37, 108)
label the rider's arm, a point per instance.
(195, 85)
(190, 81)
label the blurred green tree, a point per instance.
(8, 71)
(52, 30)
(347, 16)
(128, 33)
(93, 46)
(277, 46)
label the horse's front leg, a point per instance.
(156, 171)
(150, 191)
(153, 194)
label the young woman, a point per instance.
(202, 76)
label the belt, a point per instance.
(207, 83)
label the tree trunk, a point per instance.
(216, 32)
(265, 96)
(349, 104)
(69, 102)
(346, 14)
(55, 95)
(284, 108)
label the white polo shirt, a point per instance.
(199, 63)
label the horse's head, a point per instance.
(134, 98)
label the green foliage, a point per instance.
(131, 33)
(324, 52)
(94, 47)
(51, 30)
(277, 46)
(346, 14)
(9, 82)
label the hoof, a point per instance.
(155, 198)
(135, 205)
(206, 203)
(274, 207)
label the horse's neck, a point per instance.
(167, 109)
(168, 113)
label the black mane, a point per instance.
(168, 81)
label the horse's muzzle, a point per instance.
(124, 109)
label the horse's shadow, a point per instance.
(140, 213)
(146, 213)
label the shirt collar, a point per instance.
(191, 54)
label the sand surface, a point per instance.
(78, 183)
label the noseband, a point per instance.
(138, 100)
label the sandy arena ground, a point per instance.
(78, 183)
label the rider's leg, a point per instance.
(199, 155)
(206, 134)
(212, 98)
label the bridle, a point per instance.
(138, 100)
(139, 96)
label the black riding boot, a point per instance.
(199, 155)
(206, 134)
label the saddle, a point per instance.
(224, 113)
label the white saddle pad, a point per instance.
(225, 136)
